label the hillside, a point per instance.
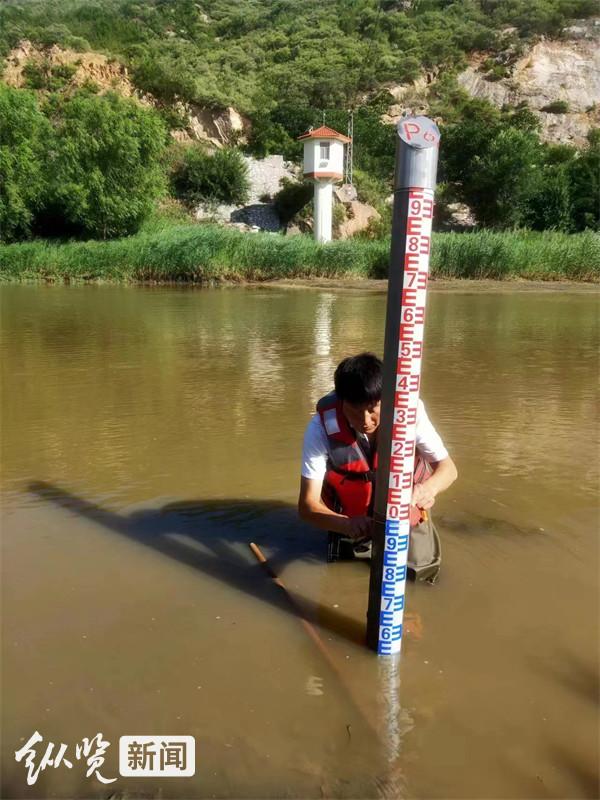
(559, 80)
(220, 71)
(255, 53)
(510, 83)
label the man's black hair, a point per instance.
(358, 379)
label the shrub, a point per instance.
(77, 43)
(556, 107)
(369, 189)
(338, 217)
(584, 180)
(549, 206)
(42, 75)
(36, 74)
(220, 177)
(496, 73)
(292, 198)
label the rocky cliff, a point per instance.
(559, 80)
(553, 73)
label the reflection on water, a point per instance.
(323, 365)
(150, 434)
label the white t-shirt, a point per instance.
(315, 446)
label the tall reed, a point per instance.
(205, 253)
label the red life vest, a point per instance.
(349, 484)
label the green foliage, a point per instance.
(168, 213)
(549, 201)
(378, 228)
(43, 75)
(369, 189)
(496, 73)
(157, 71)
(338, 217)
(292, 198)
(556, 107)
(207, 253)
(24, 133)
(534, 17)
(221, 177)
(584, 180)
(173, 117)
(252, 54)
(103, 163)
(494, 162)
(501, 179)
(77, 43)
(36, 74)
(285, 63)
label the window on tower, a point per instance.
(324, 151)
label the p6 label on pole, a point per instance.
(419, 132)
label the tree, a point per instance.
(104, 163)
(494, 163)
(501, 180)
(23, 133)
(584, 178)
(549, 204)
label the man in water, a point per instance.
(339, 464)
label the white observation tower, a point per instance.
(324, 164)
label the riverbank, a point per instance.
(209, 253)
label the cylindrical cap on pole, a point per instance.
(417, 155)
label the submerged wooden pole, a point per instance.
(305, 623)
(414, 185)
(365, 711)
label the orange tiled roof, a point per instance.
(324, 133)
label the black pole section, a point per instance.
(414, 185)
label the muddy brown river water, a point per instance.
(150, 433)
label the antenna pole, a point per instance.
(349, 149)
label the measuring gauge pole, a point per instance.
(414, 184)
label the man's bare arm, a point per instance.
(444, 475)
(312, 509)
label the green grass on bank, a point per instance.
(206, 253)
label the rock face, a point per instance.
(106, 74)
(216, 128)
(266, 174)
(459, 218)
(257, 215)
(567, 70)
(409, 98)
(358, 216)
(265, 180)
(345, 193)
